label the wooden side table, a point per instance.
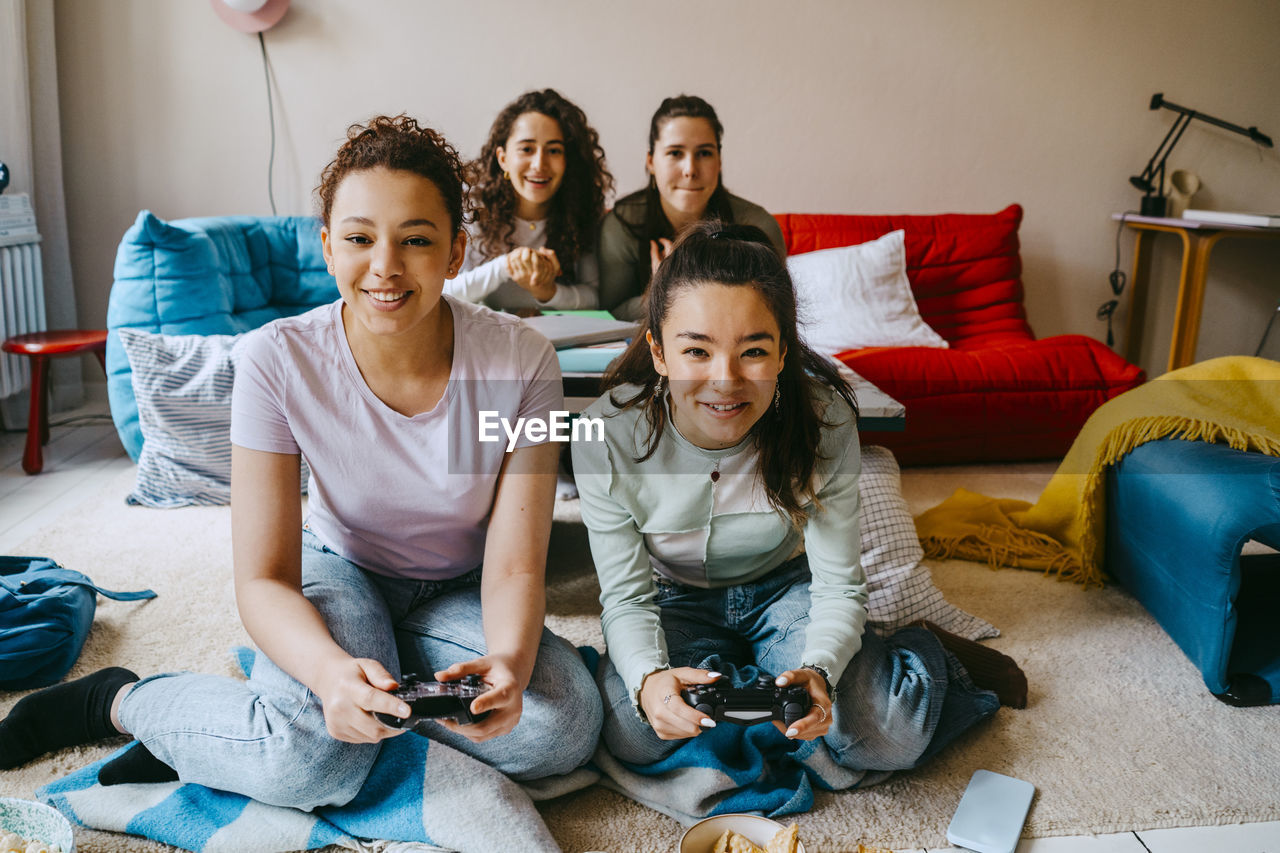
(1198, 240)
(40, 347)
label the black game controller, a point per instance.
(437, 700)
(758, 703)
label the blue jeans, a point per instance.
(266, 737)
(900, 700)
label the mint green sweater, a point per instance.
(667, 516)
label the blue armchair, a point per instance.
(210, 276)
(1178, 514)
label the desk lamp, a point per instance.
(1151, 181)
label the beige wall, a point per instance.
(861, 107)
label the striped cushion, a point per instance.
(183, 387)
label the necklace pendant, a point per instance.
(715, 475)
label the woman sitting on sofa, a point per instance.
(423, 552)
(685, 186)
(723, 514)
(538, 187)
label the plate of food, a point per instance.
(741, 833)
(28, 826)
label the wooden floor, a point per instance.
(85, 452)
(80, 456)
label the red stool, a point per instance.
(40, 347)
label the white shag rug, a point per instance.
(1120, 733)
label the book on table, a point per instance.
(581, 328)
(593, 359)
(1227, 217)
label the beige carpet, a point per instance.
(1120, 733)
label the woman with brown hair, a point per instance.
(538, 188)
(724, 519)
(685, 186)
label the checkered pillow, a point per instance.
(900, 589)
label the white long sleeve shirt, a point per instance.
(488, 282)
(667, 516)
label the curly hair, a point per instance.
(788, 435)
(397, 143)
(578, 205)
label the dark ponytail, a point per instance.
(655, 224)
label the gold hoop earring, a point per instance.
(506, 176)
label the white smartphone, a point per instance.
(991, 813)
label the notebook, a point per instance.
(582, 329)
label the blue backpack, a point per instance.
(45, 615)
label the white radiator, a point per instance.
(21, 305)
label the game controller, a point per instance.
(437, 700)
(758, 703)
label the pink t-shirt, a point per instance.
(401, 496)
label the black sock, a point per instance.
(137, 764)
(990, 669)
(60, 716)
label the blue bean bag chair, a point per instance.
(209, 276)
(1178, 514)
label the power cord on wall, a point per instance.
(1117, 279)
(271, 120)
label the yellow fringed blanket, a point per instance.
(1233, 400)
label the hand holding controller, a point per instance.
(437, 700)
(761, 702)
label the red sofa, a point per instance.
(998, 394)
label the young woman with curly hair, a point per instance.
(422, 549)
(538, 188)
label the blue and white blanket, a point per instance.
(423, 795)
(451, 802)
(733, 768)
(419, 793)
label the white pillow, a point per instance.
(859, 296)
